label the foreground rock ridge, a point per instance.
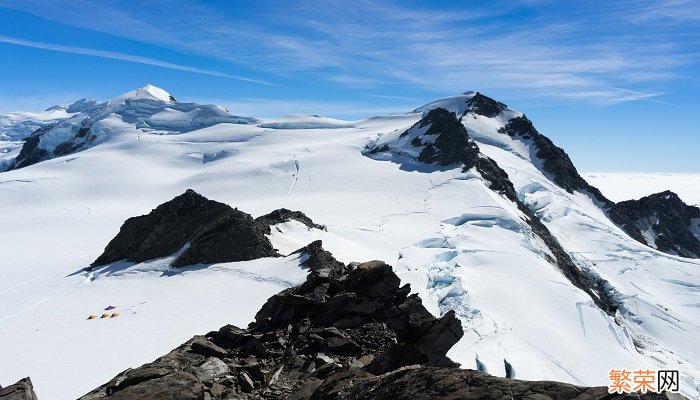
(348, 332)
(669, 224)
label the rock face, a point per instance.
(557, 164)
(281, 215)
(22, 390)
(439, 137)
(483, 105)
(208, 231)
(449, 144)
(348, 332)
(669, 224)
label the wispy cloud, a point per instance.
(124, 57)
(272, 108)
(573, 54)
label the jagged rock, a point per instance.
(483, 105)
(213, 231)
(31, 153)
(22, 390)
(201, 345)
(451, 144)
(674, 226)
(426, 383)
(245, 382)
(281, 215)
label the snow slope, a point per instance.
(459, 244)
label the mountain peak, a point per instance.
(146, 92)
(467, 102)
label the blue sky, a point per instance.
(615, 83)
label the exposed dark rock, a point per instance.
(213, 232)
(319, 260)
(559, 167)
(451, 145)
(427, 383)
(22, 390)
(670, 219)
(483, 105)
(356, 335)
(32, 152)
(203, 346)
(281, 215)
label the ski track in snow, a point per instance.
(295, 174)
(26, 309)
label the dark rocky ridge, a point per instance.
(264, 222)
(483, 105)
(557, 164)
(669, 218)
(454, 146)
(348, 332)
(208, 231)
(22, 390)
(31, 153)
(214, 231)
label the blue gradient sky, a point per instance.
(614, 83)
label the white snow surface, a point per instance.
(620, 186)
(459, 244)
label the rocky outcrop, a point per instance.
(559, 167)
(441, 383)
(671, 225)
(348, 332)
(30, 153)
(484, 105)
(205, 232)
(264, 222)
(22, 390)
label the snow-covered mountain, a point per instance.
(150, 109)
(473, 207)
